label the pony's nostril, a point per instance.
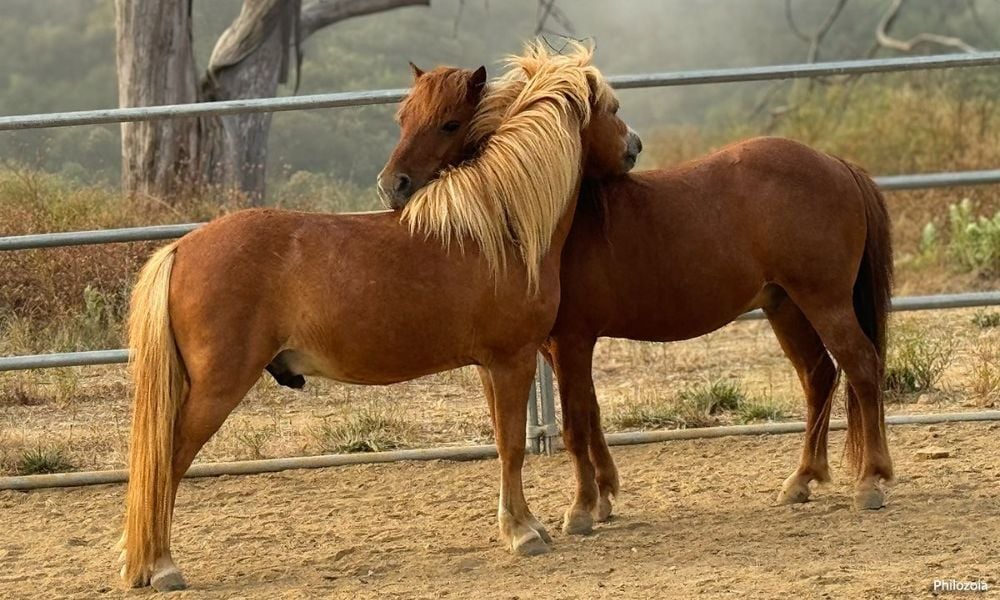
(638, 144)
(402, 183)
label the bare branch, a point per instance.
(815, 38)
(791, 23)
(824, 27)
(547, 9)
(321, 13)
(886, 41)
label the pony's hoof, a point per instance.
(139, 582)
(602, 512)
(168, 581)
(869, 499)
(578, 522)
(531, 544)
(794, 494)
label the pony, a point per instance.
(673, 254)
(467, 275)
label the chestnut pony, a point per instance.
(673, 254)
(468, 275)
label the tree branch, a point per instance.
(790, 18)
(322, 13)
(547, 9)
(815, 38)
(886, 41)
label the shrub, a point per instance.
(43, 459)
(975, 241)
(984, 320)
(370, 428)
(916, 360)
(714, 397)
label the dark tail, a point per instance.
(872, 300)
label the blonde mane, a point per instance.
(515, 191)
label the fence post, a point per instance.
(531, 437)
(548, 428)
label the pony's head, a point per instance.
(450, 113)
(535, 132)
(434, 120)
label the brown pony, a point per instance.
(673, 254)
(469, 275)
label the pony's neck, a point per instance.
(563, 227)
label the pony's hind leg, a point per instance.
(571, 360)
(511, 382)
(209, 402)
(818, 376)
(840, 330)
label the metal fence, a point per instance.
(542, 429)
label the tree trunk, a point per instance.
(250, 59)
(156, 66)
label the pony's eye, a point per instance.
(451, 126)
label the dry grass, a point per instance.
(917, 359)
(712, 402)
(984, 377)
(19, 394)
(368, 428)
(66, 299)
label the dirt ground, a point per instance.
(695, 518)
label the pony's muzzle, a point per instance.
(395, 189)
(633, 146)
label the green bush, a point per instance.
(974, 244)
(916, 361)
(43, 459)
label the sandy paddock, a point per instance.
(695, 518)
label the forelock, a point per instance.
(435, 94)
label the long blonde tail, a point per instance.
(158, 376)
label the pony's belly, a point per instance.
(364, 368)
(683, 316)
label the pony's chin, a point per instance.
(384, 199)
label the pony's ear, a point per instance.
(595, 87)
(476, 85)
(417, 71)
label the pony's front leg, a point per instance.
(571, 359)
(511, 381)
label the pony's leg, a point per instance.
(604, 464)
(838, 327)
(571, 360)
(818, 376)
(519, 529)
(209, 402)
(606, 473)
(484, 377)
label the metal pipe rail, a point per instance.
(166, 232)
(271, 465)
(907, 303)
(112, 357)
(368, 98)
